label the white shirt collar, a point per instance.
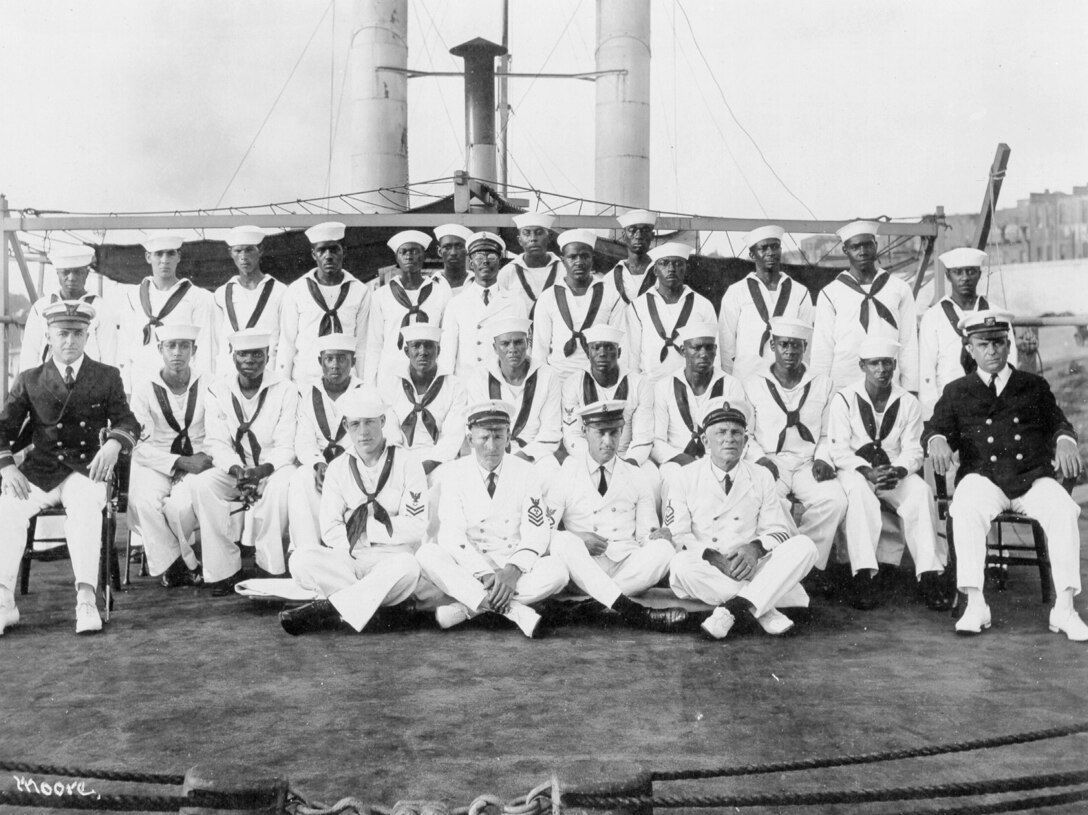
(1002, 377)
(595, 468)
(720, 474)
(74, 365)
(484, 473)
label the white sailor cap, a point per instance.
(363, 402)
(452, 231)
(327, 232)
(490, 413)
(427, 332)
(769, 232)
(719, 410)
(586, 236)
(603, 413)
(335, 342)
(637, 216)
(72, 257)
(855, 228)
(985, 321)
(696, 331)
(172, 332)
(71, 312)
(791, 327)
(963, 257)
(875, 346)
(508, 325)
(245, 236)
(529, 219)
(602, 332)
(672, 249)
(163, 241)
(480, 240)
(422, 239)
(250, 339)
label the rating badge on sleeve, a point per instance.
(536, 512)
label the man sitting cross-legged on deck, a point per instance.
(372, 518)
(493, 531)
(612, 546)
(727, 522)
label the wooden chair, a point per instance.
(1000, 555)
(109, 575)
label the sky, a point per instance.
(861, 108)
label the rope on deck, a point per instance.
(105, 775)
(58, 799)
(1032, 803)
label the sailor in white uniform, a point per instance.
(656, 318)
(789, 434)
(170, 410)
(325, 300)
(250, 424)
(320, 436)
(373, 515)
(163, 298)
(466, 343)
(536, 269)
(749, 305)
(493, 531)
(410, 297)
(632, 276)
(451, 243)
(533, 389)
(427, 405)
(576, 302)
(942, 349)
(734, 547)
(250, 299)
(875, 427)
(862, 301)
(611, 545)
(73, 265)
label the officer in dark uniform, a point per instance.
(1013, 440)
(64, 403)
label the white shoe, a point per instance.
(9, 616)
(719, 623)
(774, 622)
(1069, 624)
(451, 615)
(88, 620)
(524, 617)
(975, 618)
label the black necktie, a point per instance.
(487, 296)
(602, 485)
(992, 386)
(727, 483)
(70, 379)
(491, 485)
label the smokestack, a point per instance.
(379, 156)
(480, 155)
(623, 103)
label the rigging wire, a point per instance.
(332, 87)
(430, 59)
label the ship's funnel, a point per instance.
(479, 55)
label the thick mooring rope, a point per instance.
(105, 775)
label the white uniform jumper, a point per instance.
(653, 327)
(560, 318)
(393, 308)
(239, 308)
(311, 310)
(744, 328)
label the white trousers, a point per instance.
(213, 491)
(823, 502)
(547, 576)
(162, 514)
(912, 501)
(357, 584)
(978, 500)
(83, 501)
(303, 510)
(776, 582)
(604, 579)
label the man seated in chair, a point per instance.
(493, 531)
(875, 428)
(64, 403)
(726, 520)
(373, 515)
(1013, 441)
(611, 545)
(251, 437)
(170, 410)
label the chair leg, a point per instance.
(1042, 554)
(128, 558)
(950, 569)
(24, 566)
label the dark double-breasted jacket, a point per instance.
(64, 425)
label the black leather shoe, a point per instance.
(226, 586)
(934, 592)
(180, 575)
(865, 597)
(315, 616)
(665, 620)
